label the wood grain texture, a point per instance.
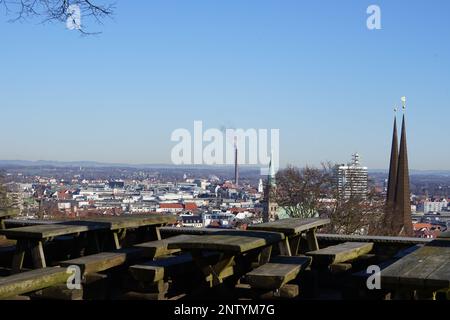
(291, 227)
(340, 253)
(277, 273)
(32, 281)
(237, 242)
(103, 261)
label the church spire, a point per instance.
(270, 205)
(403, 221)
(392, 182)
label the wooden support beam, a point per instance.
(37, 254)
(311, 237)
(19, 256)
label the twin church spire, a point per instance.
(398, 203)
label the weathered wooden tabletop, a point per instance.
(228, 241)
(47, 231)
(425, 268)
(291, 227)
(106, 222)
(131, 221)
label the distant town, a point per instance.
(199, 197)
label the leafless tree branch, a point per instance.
(58, 10)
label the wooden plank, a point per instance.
(439, 278)
(425, 267)
(340, 253)
(30, 281)
(19, 256)
(103, 261)
(147, 273)
(272, 276)
(133, 221)
(215, 272)
(285, 248)
(277, 273)
(37, 254)
(46, 231)
(291, 227)
(313, 244)
(173, 231)
(163, 268)
(159, 248)
(228, 241)
(288, 291)
(425, 261)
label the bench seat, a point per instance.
(278, 272)
(340, 253)
(154, 249)
(31, 281)
(104, 261)
(168, 266)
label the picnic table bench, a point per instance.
(278, 272)
(99, 229)
(31, 281)
(104, 260)
(229, 245)
(117, 226)
(32, 238)
(340, 253)
(293, 229)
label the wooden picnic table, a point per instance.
(145, 224)
(293, 229)
(6, 214)
(426, 270)
(115, 226)
(32, 238)
(230, 245)
(98, 231)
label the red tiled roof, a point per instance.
(190, 206)
(171, 206)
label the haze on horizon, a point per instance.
(311, 69)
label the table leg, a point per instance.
(215, 273)
(116, 239)
(266, 253)
(295, 244)
(158, 232)
(19, 255)
(37, 254)
(285, 248)
(313, 244)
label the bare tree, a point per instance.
(299, 190)
(309, 192)
(58, 10)
(356, 215)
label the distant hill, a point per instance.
(94, 164)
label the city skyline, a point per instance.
(118, 96)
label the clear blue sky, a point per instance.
(310, 68)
